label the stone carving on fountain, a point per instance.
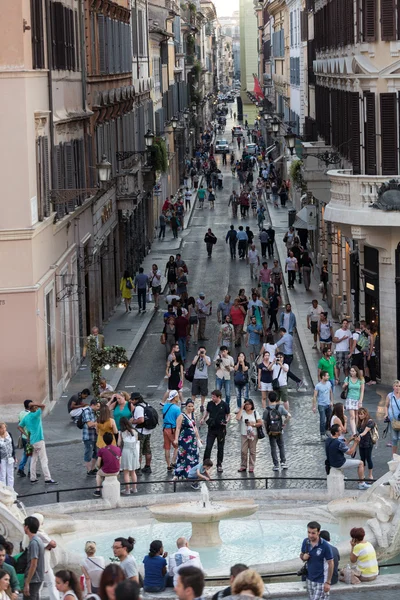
(12, 515)
(377, 510)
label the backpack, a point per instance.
(150, 417)
(129, 285)
(189, 373)
(362, 343)
(79, 421)
(21, 562)
(274, 422)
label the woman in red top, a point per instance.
(238, 315)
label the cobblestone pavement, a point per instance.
(216, 277)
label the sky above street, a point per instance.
(226, 7)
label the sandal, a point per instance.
(242, 470)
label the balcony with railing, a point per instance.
(354, 200)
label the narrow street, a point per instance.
(145, 373)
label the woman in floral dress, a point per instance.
(187, 439)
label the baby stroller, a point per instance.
(253, 373)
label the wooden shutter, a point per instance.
(76, 42)
(37, 34)
(369, 20)
(388, 22)
(304, 25)
(93, 65)
(355, 133)
(46, 176)
(140, 33)
(388, 109)
(370, 133)
(134, 31)
(102, 45)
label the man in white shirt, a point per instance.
(224, 365)
(144, 434)
(183, 557)
(280, 372)
(342, 339)
(313, 315)
(291, 267)
(188, 198)
(254, 261)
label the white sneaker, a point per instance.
(284, 466)
(363, 486)
(236, 410)
(275, 468)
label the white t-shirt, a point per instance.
(253, 257)
(291, 263)
(271, 348)
(138, 413)
(184, 557)
(255, 303)
(314, 313)
(356, 337)
(94, 565)
(188, 196)
(252, 418)
(170, 297)
(345, 345)
(283, 374)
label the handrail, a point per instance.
(179, 482)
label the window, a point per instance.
(71, 174)
(37, 34)
(42, 177)
(63, 37)
(278, 44)
(156, 73)
(114, 46)
(295, 71)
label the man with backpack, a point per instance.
(144, 419)
(273, 420)
(76, 404)
(87, 422)
(359, 345)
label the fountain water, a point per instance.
(204, 516)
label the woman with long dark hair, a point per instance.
(187, 439)
(111, 577)
(68, 586)
(155, 568)
(339, 418)
(128, 438)
(364, 426)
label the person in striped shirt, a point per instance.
(363, 555)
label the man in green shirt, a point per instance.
(14, 584)
(201, 194)
(328, 363)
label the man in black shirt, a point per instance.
(217, 416)
(235, 570)
(325, 535)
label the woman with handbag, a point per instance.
(353, 393)
(392, 412)
(241, 379)
(127, 441)
(168, 336)
(265, 369)
(126, 287)
(365, 442)
(175, 374)
(187, 439)
(250, 423)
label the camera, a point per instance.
(303, 571)
(218, 362)
(246, 421)
(386, 420)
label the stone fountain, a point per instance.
(204, 516)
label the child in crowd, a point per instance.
(200, 471)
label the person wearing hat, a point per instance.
(171, 411)
(144, 435)
(203, 312)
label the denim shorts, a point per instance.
(395, 437)
(90, 450)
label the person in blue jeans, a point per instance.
(155, 568)
(25, 458)
(200, 472)
(323, 399)
(224, 365)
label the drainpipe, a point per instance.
(50, 92)
(83, 57)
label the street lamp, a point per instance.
(174, 122)
(104, 169)
(290, 139)
(275, 126)
(148, 138)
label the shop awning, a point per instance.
(301, 219)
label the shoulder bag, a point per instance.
(260, 430)
(344, 393)
(275, 382)
(395, 423)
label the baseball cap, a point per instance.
(172, 395)
(202, 295)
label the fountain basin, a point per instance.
(205, 520)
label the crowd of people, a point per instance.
(122, 578)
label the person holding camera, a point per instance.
(224, 366)
(217, 416)
(250, 420)
(279, 378)
(200, 379)
(315, 552)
